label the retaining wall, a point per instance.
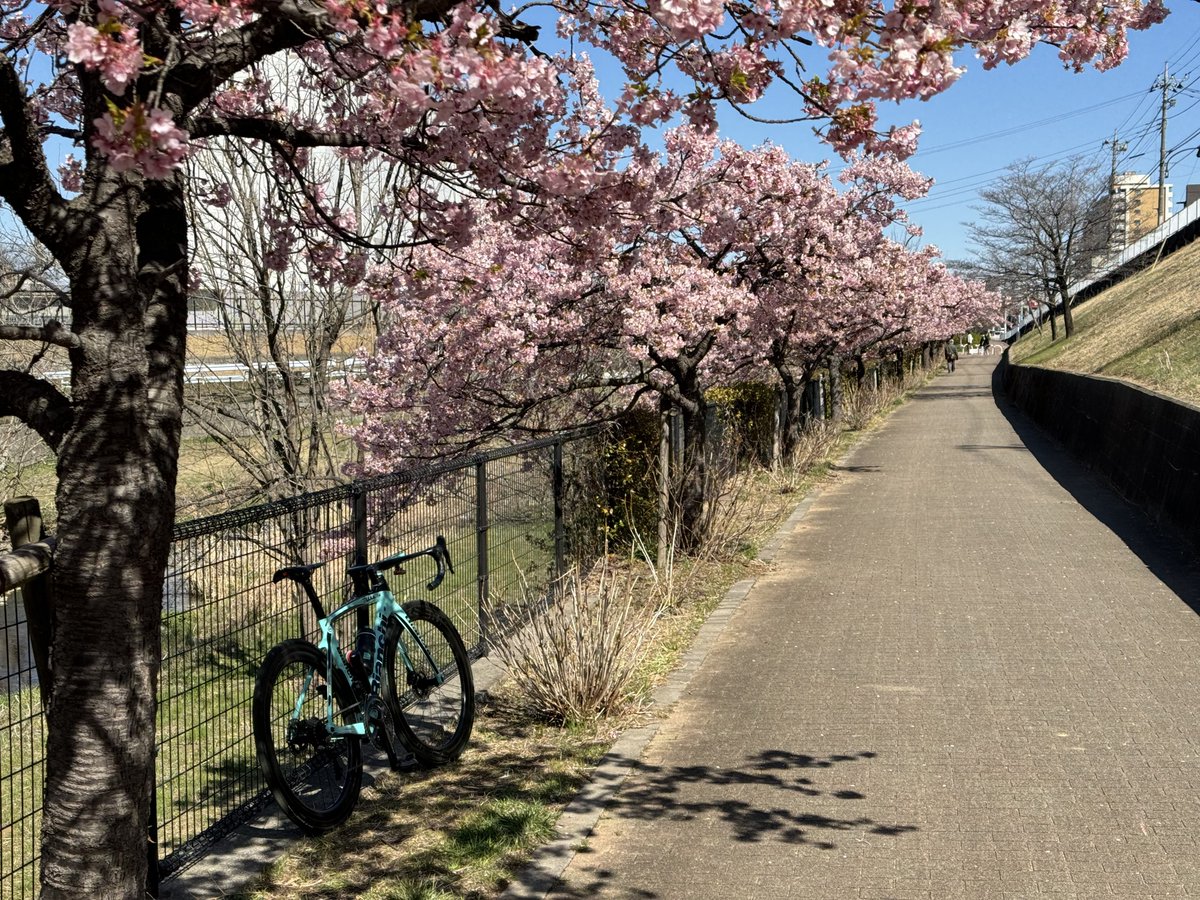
(1145, 445)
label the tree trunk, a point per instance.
(927, 356)
(1068, 316)
(860, 370)
(793, 410)
(1053, 323)
(116, 504)
(900, 364)
(835, 386)
(692, 487)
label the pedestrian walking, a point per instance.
(951, 355)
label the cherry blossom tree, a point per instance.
(729, 263)
(458, 95)
(542, 331)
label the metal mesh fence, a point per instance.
(221, 614)
(503, 516)
(22, 746)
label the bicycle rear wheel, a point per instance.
(315, 776)
(435, 699)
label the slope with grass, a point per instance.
(1145, 330)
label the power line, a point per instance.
(1016, 129)
(978, 180)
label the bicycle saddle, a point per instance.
(299, 573)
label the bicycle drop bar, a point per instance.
(438, 552)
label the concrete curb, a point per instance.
(580, 816)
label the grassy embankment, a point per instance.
(1145, 330)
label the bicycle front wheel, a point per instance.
(315, 776)
(430, 684)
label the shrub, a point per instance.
(574, 658)
(749, 408)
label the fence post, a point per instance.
(23, 517)
(360, 548)
(664, 491)
(481, 548)
(777, 428)
(153, 881)
(560, 526)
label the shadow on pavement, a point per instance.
(1165, 554)
(940, 390)
(669, 794)
(976, 448)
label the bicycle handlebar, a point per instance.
(441, 555)
(438, 552)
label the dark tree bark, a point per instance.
(691, 485)
(835, 386)
(116, 505)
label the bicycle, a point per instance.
(308, 736)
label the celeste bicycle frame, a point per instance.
(369, 586)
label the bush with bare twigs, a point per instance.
(862, 403)
(574, 658)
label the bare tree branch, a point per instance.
(50, 333)
(37, 403)
(25, 180)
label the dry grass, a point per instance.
(458, 831)
(574, 660)
(214, 346)
(1145, 330)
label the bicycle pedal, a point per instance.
(404, 761)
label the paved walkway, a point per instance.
(972, 673)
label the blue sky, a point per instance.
(1036, 108)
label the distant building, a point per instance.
(1192, 194)
(1134, 208)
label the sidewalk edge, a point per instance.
(578, 819)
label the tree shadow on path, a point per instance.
(667, 793)
(773, 796)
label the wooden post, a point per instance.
(23, 517)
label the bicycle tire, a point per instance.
(314, 777)
(433, 721)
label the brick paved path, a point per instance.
(958, 681)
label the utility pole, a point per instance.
(1118, 147)
(1167, 84)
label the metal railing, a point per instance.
(510, 517)
(1123, 259)
(24, 585)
